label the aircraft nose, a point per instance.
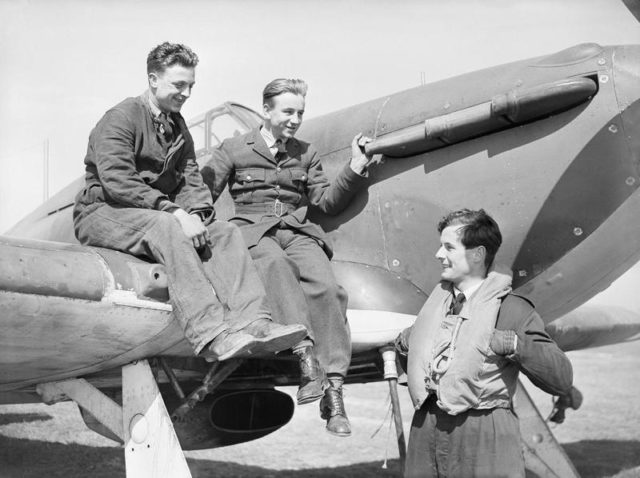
(626, 77)
(587, 228)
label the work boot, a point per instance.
(272, 337)
(332, 410)
(228, 345)
(313, 380)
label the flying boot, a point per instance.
(332, 408)
(313, 381)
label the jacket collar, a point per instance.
(259, 145)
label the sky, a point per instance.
(63, 63)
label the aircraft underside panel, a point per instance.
(49, 338)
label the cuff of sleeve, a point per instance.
(352, 176)
(167, 206)
(363, 174)
(205, 214)
(509, 343)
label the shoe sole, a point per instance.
(338, 434)
(242, 350)
(310, 398)
(284, 341)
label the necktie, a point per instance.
(456, 304)
(164, 126)
(282, 150)
(282, 147)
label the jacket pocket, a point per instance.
(299, 178)
(250, 175)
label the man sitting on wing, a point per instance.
(272, 176)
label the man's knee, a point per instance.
(164, 223)
(224, 229)
(277, 267)
(324, 283)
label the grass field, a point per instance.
(602, 438)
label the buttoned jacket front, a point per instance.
(127, 165)
(295, 179)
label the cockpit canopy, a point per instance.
(225, 121)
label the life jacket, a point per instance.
(450, 355)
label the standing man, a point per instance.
(272, 178)
(465, 350)
(144, 196)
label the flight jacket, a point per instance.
(477, 377)
(128, 165)
(296, 180)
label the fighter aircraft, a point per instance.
(549, 146)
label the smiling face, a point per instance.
(283, 116)
(459, 264)
(172, 87)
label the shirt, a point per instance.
(272, 143)
(468, 292)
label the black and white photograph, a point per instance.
(383, 238)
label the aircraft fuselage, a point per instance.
(548, 146)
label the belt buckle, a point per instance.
(278, 208)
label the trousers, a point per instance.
(211, 291)
(302, 289)
(473, 444)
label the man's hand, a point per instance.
(193, 228)
(359, 160)
(503, 342)
(402, 341)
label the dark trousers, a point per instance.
(476, 443)
(212, 291)
(302, 289)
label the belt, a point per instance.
(275, 208)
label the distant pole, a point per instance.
(423, 78)
(45, 173)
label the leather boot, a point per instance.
(332, 410)
(313, 380)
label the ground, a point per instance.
(602, 438)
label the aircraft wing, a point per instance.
(595, 326)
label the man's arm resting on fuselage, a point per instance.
(332, 197)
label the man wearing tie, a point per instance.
(144, 196)
(465, 350)
(272, 178)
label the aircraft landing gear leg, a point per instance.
(217, 374)
(151, 446)
(391, 376)
(543, 455)
(142, 423)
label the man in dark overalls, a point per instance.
(272, 176)
(144, 196)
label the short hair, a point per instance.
(283, 85)
(168, 54)
(479, 229)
